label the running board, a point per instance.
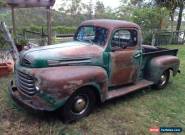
(127, 89)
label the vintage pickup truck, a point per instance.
(105, 60)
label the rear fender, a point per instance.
(158, 65)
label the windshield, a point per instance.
(92, 34)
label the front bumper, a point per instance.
(33, 103)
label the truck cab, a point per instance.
(105, 60)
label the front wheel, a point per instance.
(163, 81)
(78, 106)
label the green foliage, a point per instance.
(64, 29)
(74, 7)
(22, 42)
(55, 29)
(125, 12)
(99, 9)
(2, 3)
(150, 15)
(5, 16)
(35, 28)
(103, 12)
(147, 37)
(3, 43)
(150, 19)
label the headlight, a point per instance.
(37, 85)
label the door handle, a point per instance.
(137, 55)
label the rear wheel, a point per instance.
(78, 106)
(163, 81)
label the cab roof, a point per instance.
(111, 24)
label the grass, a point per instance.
(133, 114)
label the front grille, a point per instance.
(25, 62)
(25, 83)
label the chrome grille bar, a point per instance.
(25, 83)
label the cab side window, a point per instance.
(124, 38)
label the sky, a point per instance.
(110, 3)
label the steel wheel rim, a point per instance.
(80, 104)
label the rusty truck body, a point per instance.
(105, 60)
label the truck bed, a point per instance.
(151, 51)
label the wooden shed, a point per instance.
(31, 4)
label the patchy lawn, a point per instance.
(133, 114)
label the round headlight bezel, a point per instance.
(37, 85)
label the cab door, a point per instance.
(124, 55)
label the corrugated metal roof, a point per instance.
(30, 3)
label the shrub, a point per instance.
(64, 30)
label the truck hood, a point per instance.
(61, 54)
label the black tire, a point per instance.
(163, 82)
(73, 110)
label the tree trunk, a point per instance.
(172, 21)
(179, 21)
(180, 18)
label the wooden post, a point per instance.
(13, 22)
(49, 25)
(42, 37)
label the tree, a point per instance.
(172, 5)
(125, 11)
(150, 20)
(109, 13)
(180, 4)
(99, 9)
(89, 9)
(72, 12)
(104, 12)
(71, 7)
(2, 3)
(138, 3)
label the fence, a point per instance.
(159, 38)
(59, 38)
(166, 38)
(40, 38)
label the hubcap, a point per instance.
(163, 80)
(80, 105)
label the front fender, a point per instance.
(62, 82)
(159, 64)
